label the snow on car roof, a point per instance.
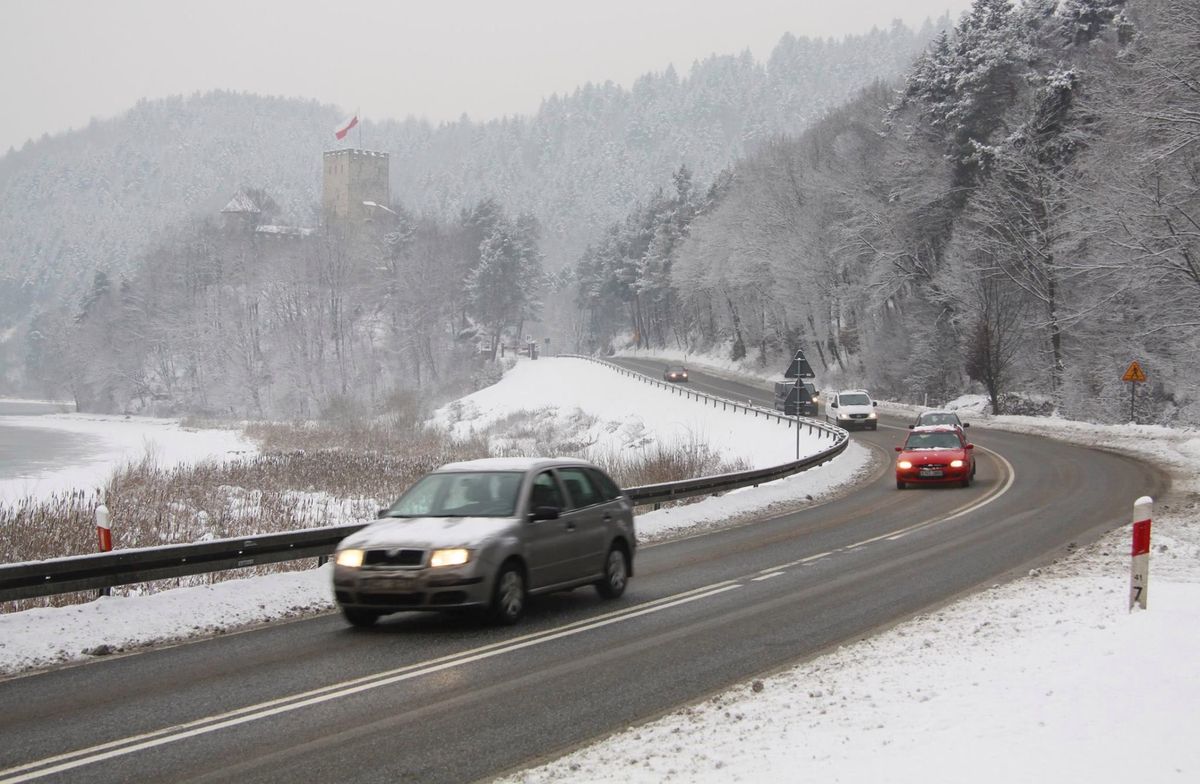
(512, 463)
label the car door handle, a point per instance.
(570, 526)
(608, 518)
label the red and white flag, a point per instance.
(343, 129)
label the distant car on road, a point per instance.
(852, 408)
(675, 373)
(938, 417)
(935, 454)
(487, 534)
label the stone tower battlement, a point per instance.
(356, 185)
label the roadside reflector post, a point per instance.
(1139, 568)
(104, 536)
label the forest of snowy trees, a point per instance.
(224, 319)
(1018, 214)
(95, 198)
(1021, 216)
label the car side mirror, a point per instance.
(910, 427)
(833, 404)
(874, 403)
(970, 446)
(381, 513)
(544, 513)
(899, 449)
(966, 424)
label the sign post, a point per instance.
(797, 416)
(1134, 375)
(1139, 568)
(104, 535)
(798, 369)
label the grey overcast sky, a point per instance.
(63, 62)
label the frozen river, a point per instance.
(26, 450)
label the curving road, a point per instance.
(431, 698)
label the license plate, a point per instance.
(930, 472)
(392, 583)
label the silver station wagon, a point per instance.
(488, 534)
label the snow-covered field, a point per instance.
(1048, 678)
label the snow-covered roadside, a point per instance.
(563, 390)
(1048, 678)
(125, 440)
(616, 413)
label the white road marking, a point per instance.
(117, 748)
(993, 496)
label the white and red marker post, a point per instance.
(104, 535)
(1139, 568)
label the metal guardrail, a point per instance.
(813, 425)
(125, 567)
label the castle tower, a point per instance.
(356, 187)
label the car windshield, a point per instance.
(460, 494)
(854, 400)
(933, 441)
(938, 418)
(675, 369)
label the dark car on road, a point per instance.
(938, 417)
(801, 400)
(486, 534)
(675, 373)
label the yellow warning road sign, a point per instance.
(1134, 373)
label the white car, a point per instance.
(852, 408)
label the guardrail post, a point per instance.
(104, 536)
(1139, 567)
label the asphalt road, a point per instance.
(430, 698)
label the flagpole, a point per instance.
(358, 114)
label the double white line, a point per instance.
(117, 748)
(262, 710)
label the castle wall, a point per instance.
(352, 177)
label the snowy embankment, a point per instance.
(593, 405)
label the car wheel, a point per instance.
(508, 597)
(875, 426)
(616, 574)
(900, 484)
(966, 482)
(359, 617)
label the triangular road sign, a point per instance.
(799, 367)
(1134, 373)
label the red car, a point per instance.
(938, 454)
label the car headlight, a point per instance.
(904, 464)
(956, 464)
(871, 415)
(454, 557)
(350, 558)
